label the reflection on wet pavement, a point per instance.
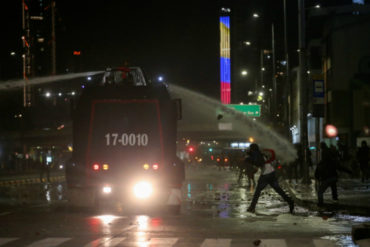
(33, 194)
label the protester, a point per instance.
(326, 173)
(267, 177)
(363, 157)
(247, 169)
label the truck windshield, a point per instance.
(131, 76)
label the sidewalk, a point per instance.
(354, 196)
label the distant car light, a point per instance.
(155, 166)
(143, 190)
(107, 189)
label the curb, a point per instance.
(24, 181)
(312, 205)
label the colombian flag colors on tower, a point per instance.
(225, 59)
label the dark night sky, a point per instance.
(179, 39)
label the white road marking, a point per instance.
(165, 242)
(273, 243)
(129, 228)
(49, 242)
(6, 240)
(114, 242)
(216, 242)
(323, 243)
(105, 242)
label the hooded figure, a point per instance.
(326, 173)
(267, 177)
(363, 157)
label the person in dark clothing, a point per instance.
(326, 173)
(363, 157)
(247, 169)
(267, 177)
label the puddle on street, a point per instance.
(33, 193)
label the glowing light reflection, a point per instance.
(142, 222)
(142, 239)
(105, 221)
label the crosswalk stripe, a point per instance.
(49, 242)
(165, 242)
(115, 241)
(323, 243)
(216, 242)
(106, 242)
(170, 242)
(273, 243)
(6, 240)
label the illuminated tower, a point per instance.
(225, 62)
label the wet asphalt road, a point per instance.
(213, 214)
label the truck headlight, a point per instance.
(143, 190)
(107, 189)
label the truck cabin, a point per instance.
(130, 76)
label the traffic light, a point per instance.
(191, 149)
(331, 130)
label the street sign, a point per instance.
(248, 110)
(318, 89)
(318, 98)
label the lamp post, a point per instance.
(273, 108)
(288, 85)
(302, 79)
(274, 86)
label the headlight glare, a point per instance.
(143, 190)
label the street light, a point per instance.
(248, 43)
(274, 82)
(244, 73)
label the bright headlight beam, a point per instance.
(143, 190)
(107, 189)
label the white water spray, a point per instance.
(47, 79)
(200, 111)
